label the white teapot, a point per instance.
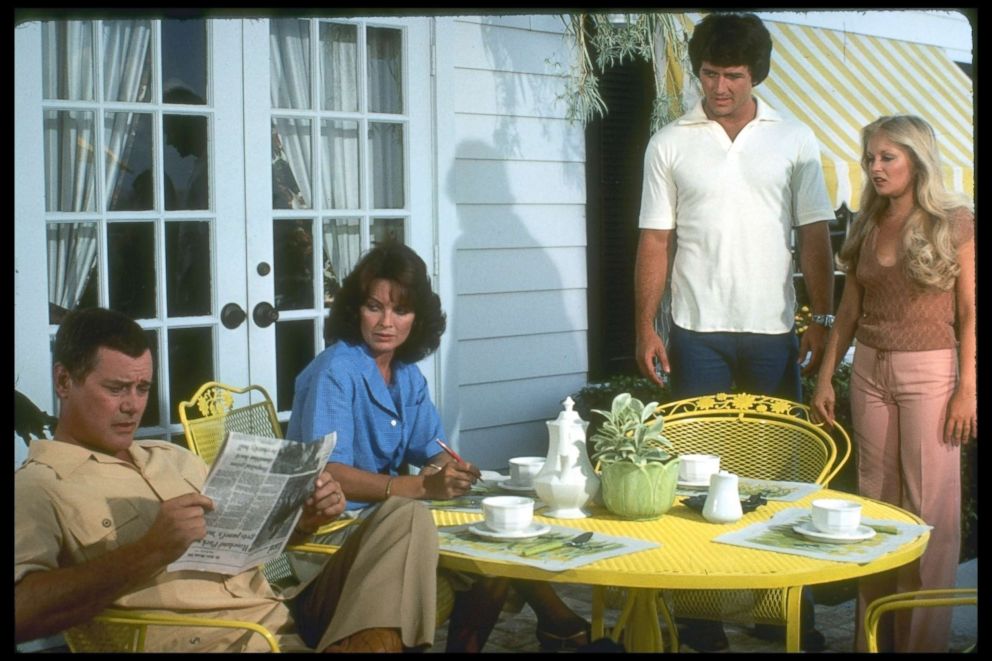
(567, 482)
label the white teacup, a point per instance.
(508, 513)
(523, 470)
(697, 468)
(835, 516)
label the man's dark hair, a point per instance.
(732, 40)
(83, 332)
(390, 261)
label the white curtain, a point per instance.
(386, 95)
(289, 53)
(125, 78)
(342, 247)
(70, 180)
(340, 165)
(71, 139)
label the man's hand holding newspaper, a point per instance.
(262, 489)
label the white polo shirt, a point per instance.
(733, 204)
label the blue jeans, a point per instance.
(757, 363)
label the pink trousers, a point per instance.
(898, 404)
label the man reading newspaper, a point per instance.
(99, 516)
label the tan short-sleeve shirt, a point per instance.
(72, 505)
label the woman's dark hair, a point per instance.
(732, 40)
(83, 332)
(398, 263)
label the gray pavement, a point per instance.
(515, 631)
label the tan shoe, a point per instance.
(369, 640)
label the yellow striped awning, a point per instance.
(838, 82)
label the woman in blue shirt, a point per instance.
(366, 387)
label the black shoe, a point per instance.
(703, 635)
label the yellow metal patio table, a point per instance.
(688, 558)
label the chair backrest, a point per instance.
(216, 409)
(936, 598)
(758, 437)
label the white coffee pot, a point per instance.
(567, 482)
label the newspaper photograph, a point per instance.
(258, 485)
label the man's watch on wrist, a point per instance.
(825, 320)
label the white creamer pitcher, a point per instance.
(567, 482)
(723, 501)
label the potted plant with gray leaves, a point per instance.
(639, 470)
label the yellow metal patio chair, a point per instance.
(216, 408)
(758, 437)
(124, 631)
(941, 597)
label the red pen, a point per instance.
(453, 454)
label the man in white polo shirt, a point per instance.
(724, 186)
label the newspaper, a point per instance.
(258, 485)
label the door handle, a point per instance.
(232, 316)
(264, 314)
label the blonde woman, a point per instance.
(909, 301)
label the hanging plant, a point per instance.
(660, 39)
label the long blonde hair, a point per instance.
(931, 259)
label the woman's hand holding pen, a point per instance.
(450, 479)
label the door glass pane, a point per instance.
(127, 58)
(294, 351)
(72, 251)
(289, 73)
(291, 167)
(385, 70)
(285, 188)
(184, 58)
(67, 60)
(386, 156)
(339, 67)
(342, 249)
(187, 268)
(387, 229)
(187, 183)
(70, 178)
(131, 268)
(128, 161)
(292, 244)
(191, 364)
(340, 164)
(152, 416)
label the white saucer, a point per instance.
(534, 530)
(702, 484)
(806, 529)
(510, 486)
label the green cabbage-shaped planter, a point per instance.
(639, 491)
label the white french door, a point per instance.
(337, 135)
(213, 179)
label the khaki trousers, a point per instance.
(384, 576)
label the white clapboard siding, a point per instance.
(518, 51)
(537, 226)
(533, 139)
(522, 357)
(524, 94)
(515, 182)
(517, 191)
(521, 313)
(528, 269)
(512, 402)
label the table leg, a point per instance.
(793, 602)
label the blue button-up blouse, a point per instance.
(379, 428)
